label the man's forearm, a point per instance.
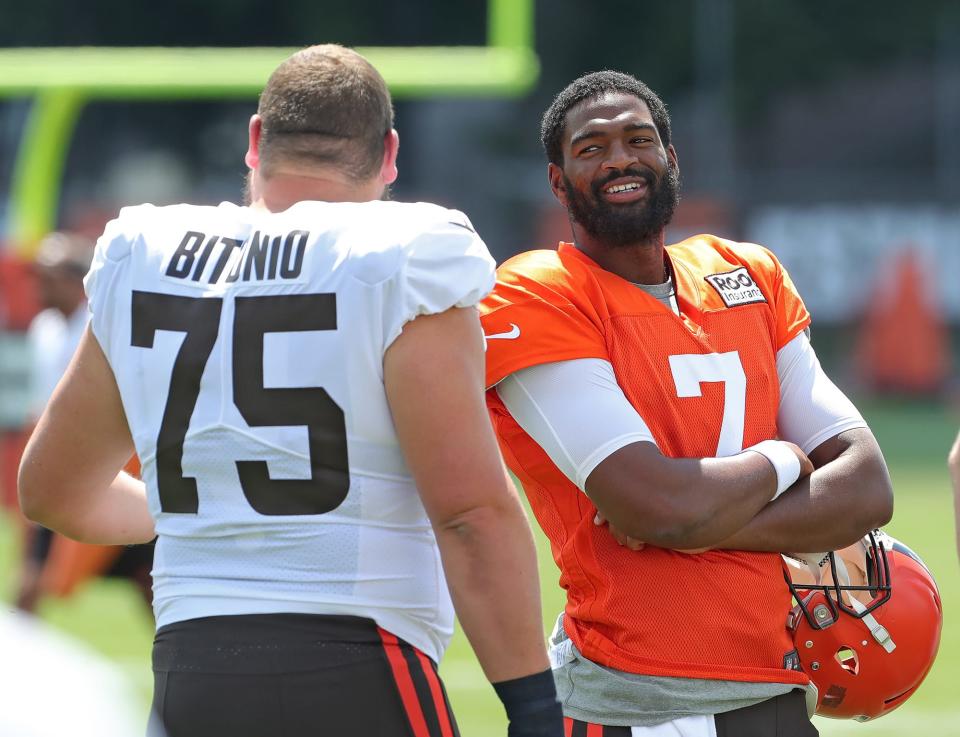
(491, 566)
(681, 503)
(68, 473)
(846, 497)
(118, 515)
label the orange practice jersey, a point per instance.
(705, 383)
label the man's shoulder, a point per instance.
(710, 254)
(541, 259)
(136, 223)
(398, 217)
(544, 271)
(733, 274)
(379, 226)
(418, 213)
(138, 216)
(380, 221)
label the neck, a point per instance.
(280, 190)
(642, 262)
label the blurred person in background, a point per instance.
(303, 379)
(52, 564)
(674, 432)
(61, 262)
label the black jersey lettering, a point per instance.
(262, 257)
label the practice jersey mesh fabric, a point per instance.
(248, 348)
(705, 382)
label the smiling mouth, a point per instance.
(625, 192)
(629, 187)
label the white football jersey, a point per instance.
(248, 348)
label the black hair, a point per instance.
(590, 86)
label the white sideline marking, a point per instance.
(901, 722)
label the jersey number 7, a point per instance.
(692, 369)
(199, 318)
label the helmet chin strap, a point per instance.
(813, 562)
(879, 632)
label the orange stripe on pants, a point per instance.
(401, 674)
(443, 716)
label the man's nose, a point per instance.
(619, 156)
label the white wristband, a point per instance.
(784, 461)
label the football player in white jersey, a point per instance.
(302, 379)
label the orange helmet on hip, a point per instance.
(867, 630)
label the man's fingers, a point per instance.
(806, 465)
(621, 538)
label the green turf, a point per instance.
(915, 439)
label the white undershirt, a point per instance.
(579, 415)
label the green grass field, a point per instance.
(915, 439)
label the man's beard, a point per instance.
(617, 225)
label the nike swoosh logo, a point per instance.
(513, 332)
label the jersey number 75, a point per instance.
(199, 318)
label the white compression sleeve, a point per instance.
(550, 402)
(575, 411)
(812, 408)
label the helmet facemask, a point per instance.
(866, 626)
(855, 581)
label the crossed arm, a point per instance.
(847, 495)
(691, 503)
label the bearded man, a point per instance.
(669, 421)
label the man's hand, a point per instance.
(806, 465)
(622, 538)
(631, 542)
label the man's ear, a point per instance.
(391, 146)
(557, 184)
(672, 158)
(255, 129)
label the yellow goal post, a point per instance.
(61, 81)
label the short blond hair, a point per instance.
(326, 106)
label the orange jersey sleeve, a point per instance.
(545, 307)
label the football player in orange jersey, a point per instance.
(668, 395)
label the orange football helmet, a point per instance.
(867, 647)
